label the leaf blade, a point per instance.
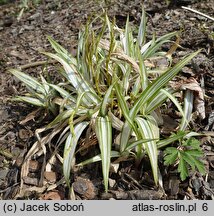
(103, 130)
(151, 147)
(70, 147)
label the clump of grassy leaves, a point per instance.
(107, 90)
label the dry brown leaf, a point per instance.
(37, 146)
(53, 195)
(158, 62)
(86, 144)
(19, 55)
(149, 63)
(194, 86)
(119, 53)
(30, 117)
(128, 59)
(25, 134)
(199, 105)
(173, 48)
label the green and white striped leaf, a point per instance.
(124, 107)
(174, 100)
(143, 71)
(146, 131)
(145, 47)
(61, 51)
(157, 44)
(77, 80)
(116, 122)
(154, 126)
(125, 135)
(159, 83)
(137, 143)
(150, 92)
(61, 117)
(45, 84)
(142, 29)
(188, 107)
(70, 147)
(128, 39)
(28, 80)
(157, 100)
(98, 158)
(103, 108)
(103, 130)
(136, 87)
(173, 138)
(30, 100)
(63, 92)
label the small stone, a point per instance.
(85, 188)
(50, 176)
(114, 167)
(3, 173)
(25, 134)
(34, 166)
(31, 181)
(112, 182)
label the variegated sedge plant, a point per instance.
(107, 91)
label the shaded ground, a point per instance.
(20, 44)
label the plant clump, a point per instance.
(113, 90)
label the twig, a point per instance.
(2, 191)
(35, 64)
(195, 11)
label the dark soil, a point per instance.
(21, 41)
